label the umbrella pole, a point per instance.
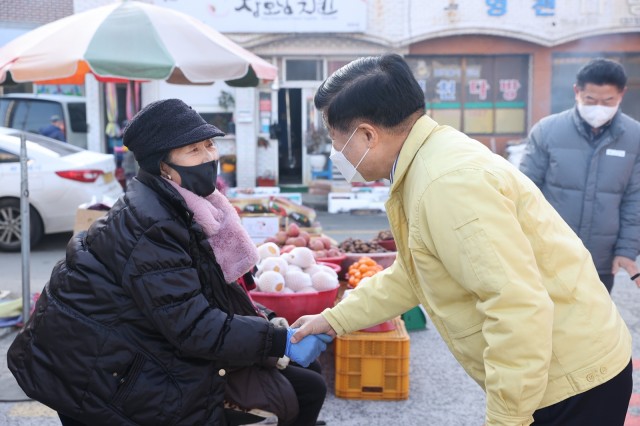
(10, 391)
(25, 228)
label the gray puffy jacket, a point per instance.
(594, 185)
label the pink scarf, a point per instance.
(234, 250)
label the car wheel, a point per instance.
(10, 225)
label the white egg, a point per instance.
(276, 264)
(268, 250)
(302, 256)
(311, 270)
(329, 270)
(294, 268)
(297, 280)
(271, 282)
(324, 281)
(288, 257)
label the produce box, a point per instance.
(373, 365)
(85, 217)
(260, 226)
(282, 206)
(88, 213)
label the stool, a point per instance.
(237, 416)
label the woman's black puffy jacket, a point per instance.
(136, 326)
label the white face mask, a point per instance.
(350, 173)
(596, 115)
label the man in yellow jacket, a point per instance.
(509, 286)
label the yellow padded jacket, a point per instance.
(509, 286)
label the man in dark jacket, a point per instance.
(55, 129)
(143, 322)
(586, 161)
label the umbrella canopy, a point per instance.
(130, 40)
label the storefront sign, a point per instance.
(546, 22)
(276, 16)
(479, 95)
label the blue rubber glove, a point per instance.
(307, 349)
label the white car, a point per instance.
(61, 177)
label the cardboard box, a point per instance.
(85, 217)
(87, 213)
(260, 226)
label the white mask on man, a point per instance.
(350, 173)
(596, 115)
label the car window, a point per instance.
(48, 146)
(78, 116)
(59, 148)
(8, 157)
(4, 112)
(32, 115)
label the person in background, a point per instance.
(508, 285)
(586, 161)
(55, 129)
(145, 321)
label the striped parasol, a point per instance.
(130, 40)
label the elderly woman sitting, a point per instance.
(144, 321)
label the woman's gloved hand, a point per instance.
(279, 322)
(283, 362)
(307, 349)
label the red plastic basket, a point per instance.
(333, 266)
(388, 244)
(384, 259)
(337, 260)
(294, 305)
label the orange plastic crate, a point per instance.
(373, 365)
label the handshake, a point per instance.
(307, 349)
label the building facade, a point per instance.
(490, 68)
(17, 17)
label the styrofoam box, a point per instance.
(264, 191)
(346, 201)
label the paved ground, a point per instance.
(440, 393)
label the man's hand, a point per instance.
(307, 349)
(312, 324)
(628, 265)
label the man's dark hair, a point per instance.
(378, 89)
(602, 71)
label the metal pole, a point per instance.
(292, 160)
(25, 228)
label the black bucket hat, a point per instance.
(162, 126)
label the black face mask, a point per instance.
(200, 179)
